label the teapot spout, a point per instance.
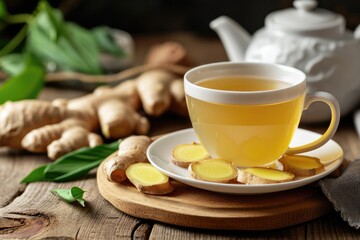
(234, 37)
(357, 32)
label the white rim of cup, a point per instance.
(293, 76)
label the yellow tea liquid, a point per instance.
(247, 135)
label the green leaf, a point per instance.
(84, 45)
(77, 164)
(106, 42)
(66, 44)
(73, 165)
(37, 175)
(15, 42)
(50, 20)
(40, 45)
(25, 85)
(12, 64)
(3, 11)
(70, 195)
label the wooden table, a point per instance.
(31, 211)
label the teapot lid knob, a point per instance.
(305, 5)
(306, 19)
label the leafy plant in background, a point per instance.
(49, 42)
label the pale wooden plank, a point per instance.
(98, 220)
(14, 166)
(142, 231)
(167, 232)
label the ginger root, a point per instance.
(161, 89)
(40, 139)
(185, 154)
(16, 120)
(131, 150)
(260, 175)
(72, 139)
(40, 126)
(62, 126)
(170, 53)
(301, 165)
(178, 101)
(147, 179)
(214, 170)
(131, 163)
(154, 90)
(118, 120)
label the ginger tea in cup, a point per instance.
(247, 113)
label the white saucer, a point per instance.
(159, 154)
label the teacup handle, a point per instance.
(331, 101)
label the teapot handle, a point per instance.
(357, 32)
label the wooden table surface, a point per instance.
(31, 211)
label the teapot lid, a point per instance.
(305, 18)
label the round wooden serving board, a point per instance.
(191, 207)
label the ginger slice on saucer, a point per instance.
(147, 179)
(300, 165)
(214, 170)
(185, 154)
(261, 175)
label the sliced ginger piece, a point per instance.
(214, 170)
(131, 150)
(185, 154)
(259, 175)
(147, 179)
(301, 165)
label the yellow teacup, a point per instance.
(248, 113)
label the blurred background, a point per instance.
(144, 16)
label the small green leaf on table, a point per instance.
(70, 195)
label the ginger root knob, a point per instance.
(131, 150)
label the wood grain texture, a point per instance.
(331, 227)
(41, 214)
(191, 207)
(166, 232)
(12, 170)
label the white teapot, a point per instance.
(310, 39)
